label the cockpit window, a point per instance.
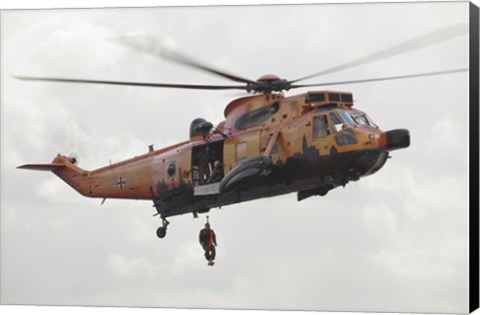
(359, 119)
(336, 122)
(343, 118)
(341, 121)
(346, 118)
(320, 126)
(363, 119)
(369, 120)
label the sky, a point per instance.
(396, 241)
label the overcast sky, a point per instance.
(394, 241)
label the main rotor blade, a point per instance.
(162, 85)
(293, 86)
(428, 39)
(151, 46)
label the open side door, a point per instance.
(207, 167)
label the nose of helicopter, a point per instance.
(396, 139)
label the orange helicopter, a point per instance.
(268, 145)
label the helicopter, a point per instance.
(269, 144)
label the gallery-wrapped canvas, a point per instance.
(316, 157)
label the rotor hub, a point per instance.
(268, 78)
(268, 83)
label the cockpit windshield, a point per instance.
(347, 118)
(355, 118)
(363, 119)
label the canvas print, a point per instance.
(281, 157)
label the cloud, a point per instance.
(133, 267)
(381, 223)
(410, 261)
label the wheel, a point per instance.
(161, 232)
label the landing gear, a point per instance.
(162, 231)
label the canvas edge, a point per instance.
(474, 158)
(474, 116)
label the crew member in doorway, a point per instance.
(217, 173)
(208, 241)
(203, 167)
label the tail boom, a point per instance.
(114, 181)
(64, 168)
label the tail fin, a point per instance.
(65, 168)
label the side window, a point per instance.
(256, 117)
(320, 126)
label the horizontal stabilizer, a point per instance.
(42, 167)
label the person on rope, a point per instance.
(208, 241)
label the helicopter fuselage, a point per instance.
(268, 145)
